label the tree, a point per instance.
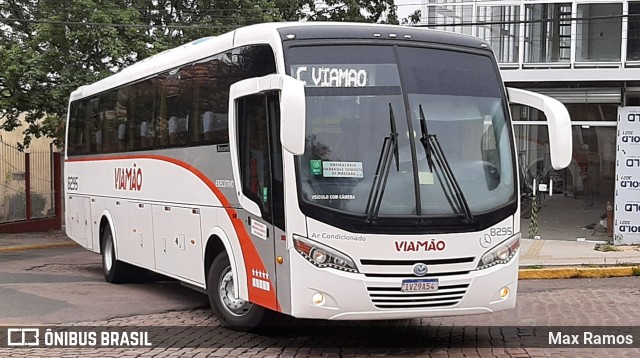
(48, 48)
(413, 18)
(340, 10)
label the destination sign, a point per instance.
(346, 75)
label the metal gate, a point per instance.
(30, 190)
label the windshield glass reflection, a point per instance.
(349, 91)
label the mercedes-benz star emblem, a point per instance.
(420, 269)
(485, 241)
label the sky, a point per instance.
(407, 7)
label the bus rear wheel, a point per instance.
(116, 271)
(232, 311)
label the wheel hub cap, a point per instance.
(233, 304)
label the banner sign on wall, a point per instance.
(627, 200)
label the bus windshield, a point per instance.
(358, 95)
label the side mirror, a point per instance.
(558, 123)
(292, 115)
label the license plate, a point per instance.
(420, 285)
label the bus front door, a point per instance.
(259, 174)
(258, 108)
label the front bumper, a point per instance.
(349, 296)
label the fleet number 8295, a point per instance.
(501, 231)
(72, 183)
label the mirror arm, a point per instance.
(558, 123)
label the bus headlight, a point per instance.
(323, 256)
(500, 254)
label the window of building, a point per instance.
(599, 32)
(633, 32)
(592, 111)
(547, 33)
(632, 97)
(452, 18)
(497, 25)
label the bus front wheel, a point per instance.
(232, 311)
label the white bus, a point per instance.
(333, 171)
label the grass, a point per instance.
(606, 248)
(623, 263)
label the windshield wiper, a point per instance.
(432, 148)
(424, 139)
(389, 149)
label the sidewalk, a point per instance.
(538, 258)
(568, 259)
(34, 240)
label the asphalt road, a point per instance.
(65, 286)
(61, 285)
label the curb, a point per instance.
(578, 272)
(37, 246)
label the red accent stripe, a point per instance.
(252, 258)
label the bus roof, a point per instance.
(265, 33)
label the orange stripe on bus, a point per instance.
(252, 258)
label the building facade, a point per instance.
(585, 53)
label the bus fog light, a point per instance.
(318, 299)
(504, 293)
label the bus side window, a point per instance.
(122, 136)
(210, 101)
(215, 127)
(76, 127)
(178, 129)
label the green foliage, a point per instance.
(48, 48)
(16, 204)
(53, 50)
(413, 18)
(605, 248)
(349, 10)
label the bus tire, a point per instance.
(232, 312)
(116, 271)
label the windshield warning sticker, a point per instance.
(316, 167)
(425, 178)
(342, 169)
(259, 229)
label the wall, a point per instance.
(12, 178)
